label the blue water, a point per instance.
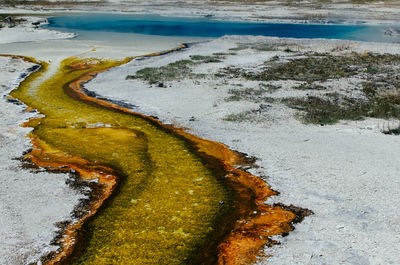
(205, 27)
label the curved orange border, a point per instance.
(253, 223)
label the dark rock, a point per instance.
(265, 106)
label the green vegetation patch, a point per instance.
(265, 47)
(308, 86)
(251, 94)
(240, 47)
(207, 59)
(224, 53)
(239, 117)
(381, 87)
(308, 69)
(10, 21)
(335, 107)
(395, 131)
(254, 115)
(175, 71)
(249, 116)
(258, 46)
(317, 67)
(324, 110)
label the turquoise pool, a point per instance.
(207, 27)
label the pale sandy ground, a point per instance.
(348, 173)
(53, 46)
(31, 203)
(274, 11)
(25, 32)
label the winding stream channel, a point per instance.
(158, 195)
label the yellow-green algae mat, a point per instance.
(168, 204)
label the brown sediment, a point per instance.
(252, 222)
(43, 155)
(29, 109)
(255, 221)
(26, 59)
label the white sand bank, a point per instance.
(95, 44)
(26, 31)
(273, 11)
(347, 173)
(31, 203)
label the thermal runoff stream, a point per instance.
(159, 195)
